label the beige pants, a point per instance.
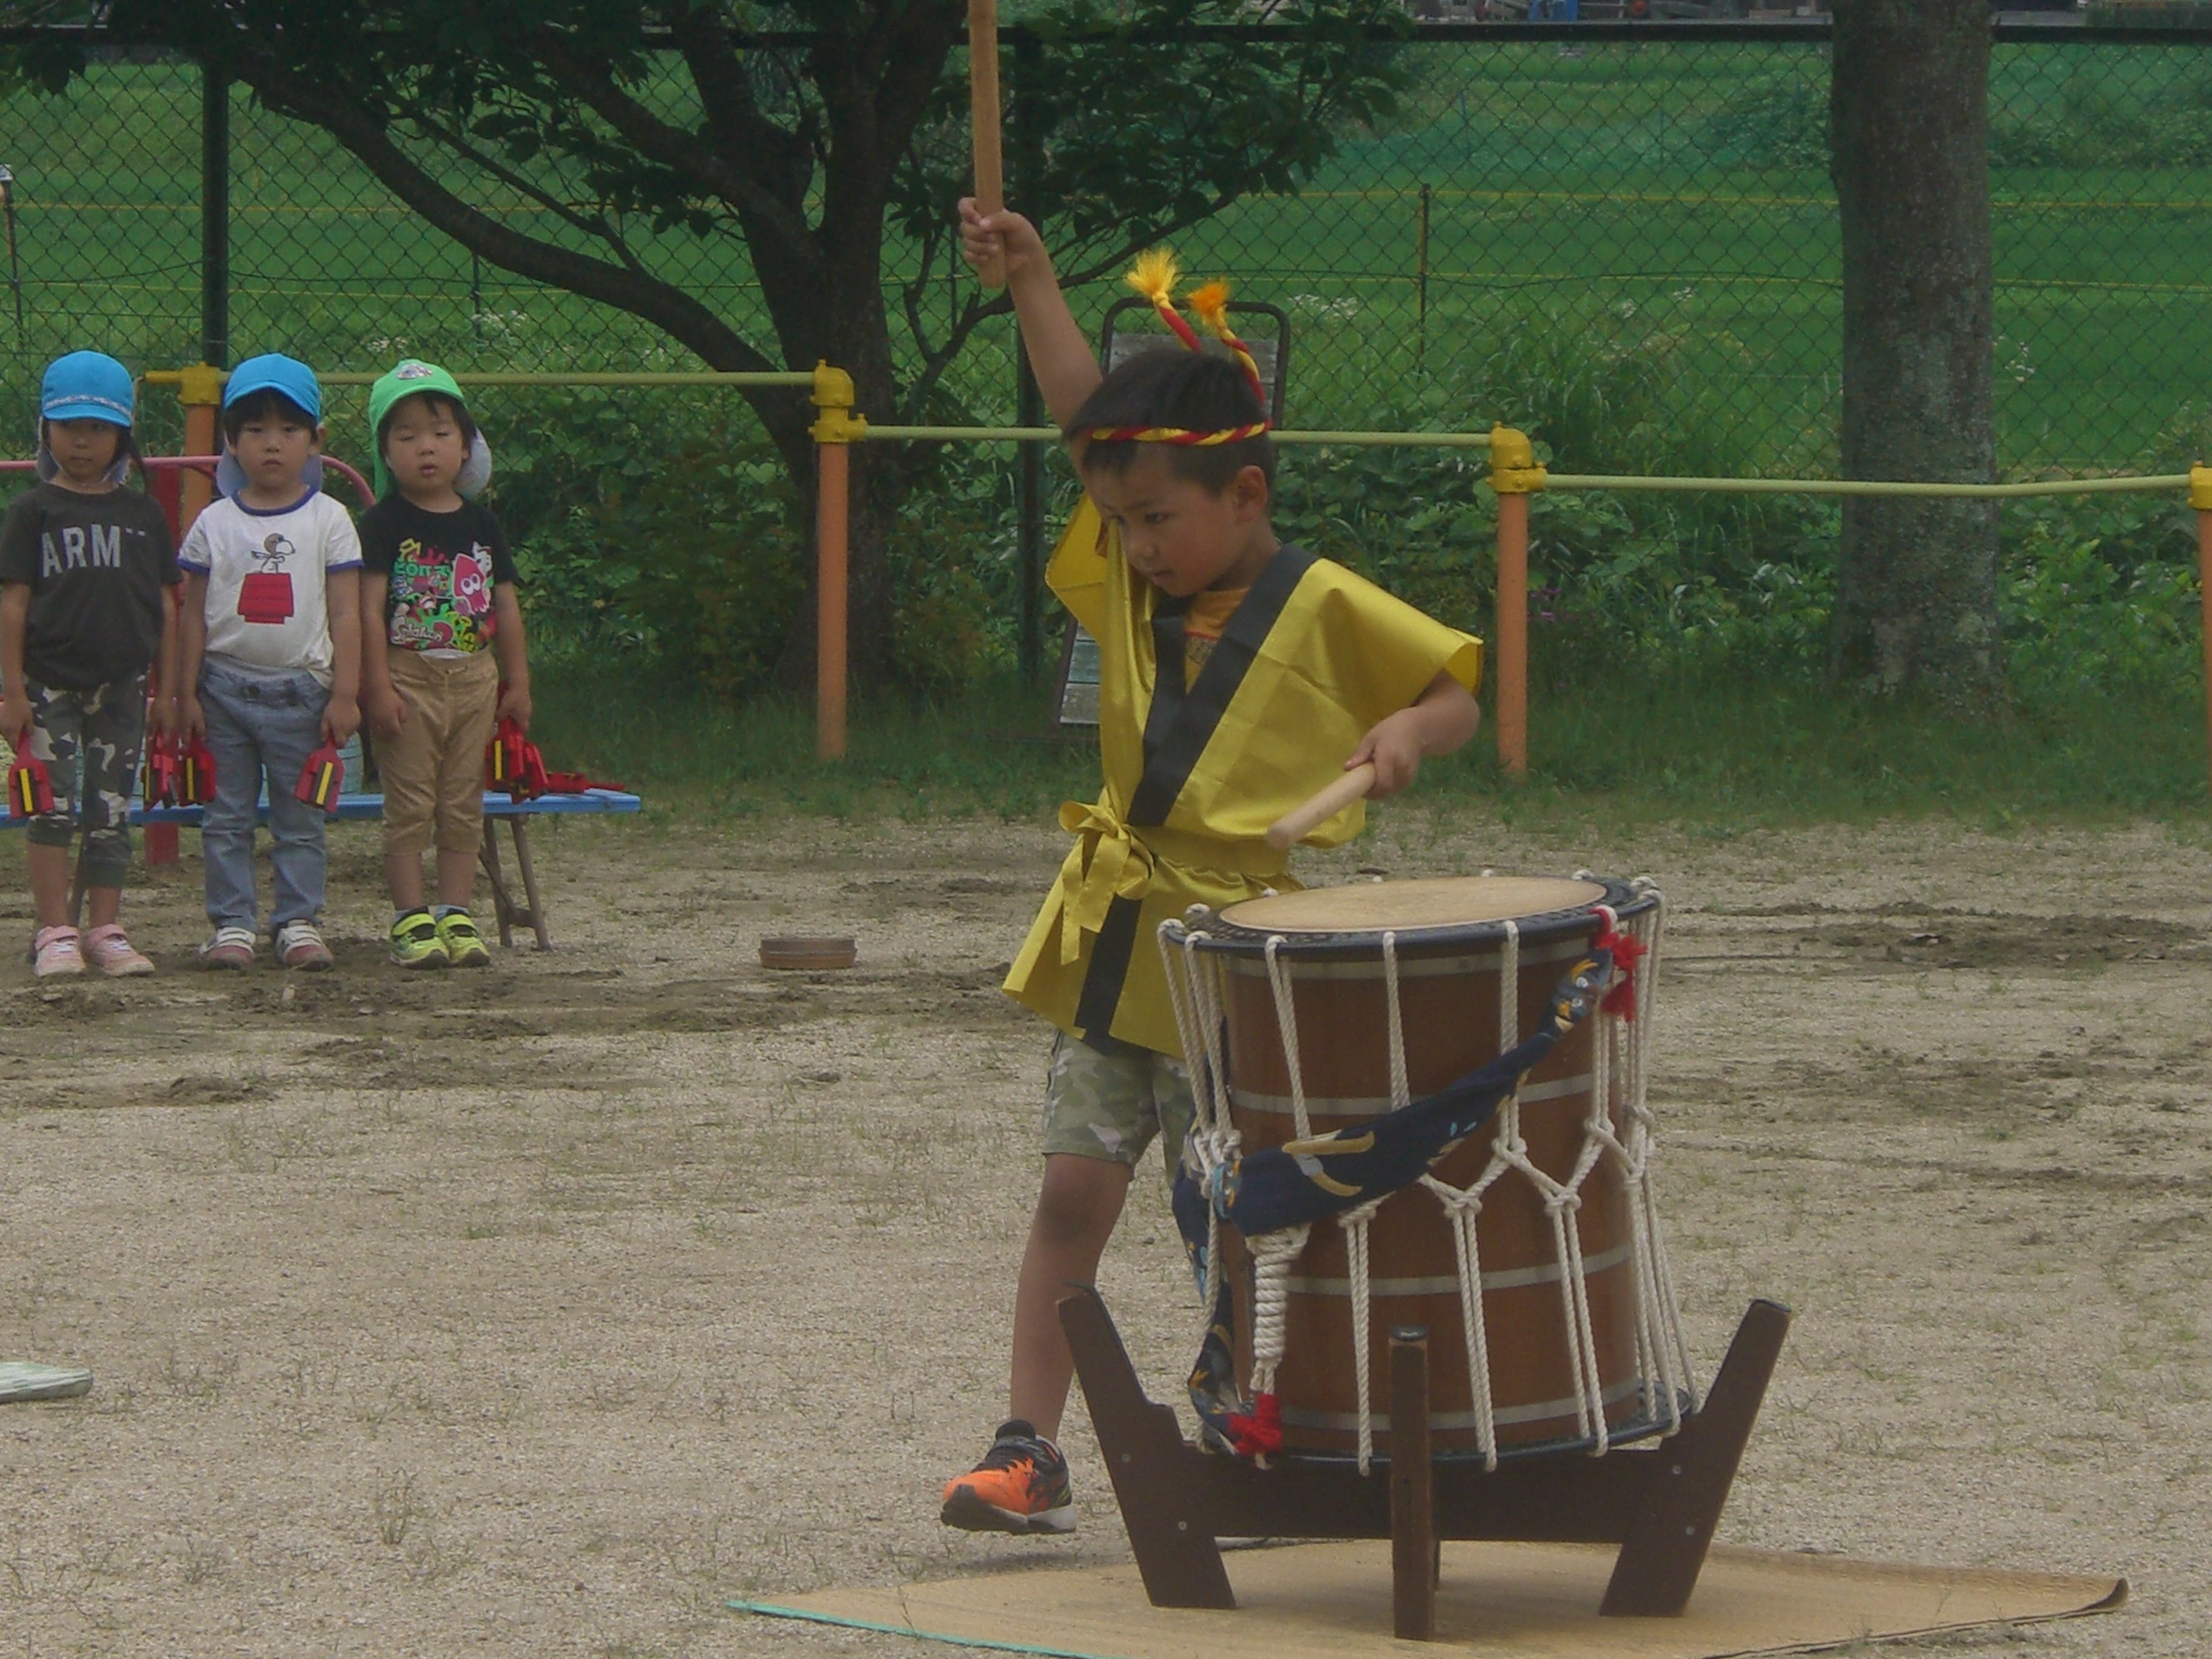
(434, 769)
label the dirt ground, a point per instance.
(540, 1311)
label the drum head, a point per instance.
(1409, 906)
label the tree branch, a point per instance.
(639, 293)
(665, 143)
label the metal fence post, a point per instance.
(215, 219)
(834, 434)
(1513, 474)
(2200, 497)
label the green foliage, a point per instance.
(1706, 746)
(654, 531)
(1774, 121)
(2100, 594)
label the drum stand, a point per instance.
(1658, 1500)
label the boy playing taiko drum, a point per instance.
(1237, 676)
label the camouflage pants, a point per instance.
(90, 741)
(1110, 1103)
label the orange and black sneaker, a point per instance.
(1020, 1487)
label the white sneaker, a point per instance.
(231, 947)
(299, 945)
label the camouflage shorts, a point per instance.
(90, 741)
(1109, 1105)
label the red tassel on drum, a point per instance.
(1258, 1432)
(1627, 950)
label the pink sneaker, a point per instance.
(107, 950)
(55, 951)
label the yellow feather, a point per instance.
(1212, 305)
(1154, 275)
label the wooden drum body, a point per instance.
(1566, 1301)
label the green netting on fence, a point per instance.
(1664, 206)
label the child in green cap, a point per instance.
(442, 656)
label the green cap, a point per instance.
(408, 377)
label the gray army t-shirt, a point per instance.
(95, 566)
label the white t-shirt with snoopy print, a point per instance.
(266, 610)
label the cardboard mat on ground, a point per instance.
(27, 1379)
(1527, 1601)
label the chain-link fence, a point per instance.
(1661, 207)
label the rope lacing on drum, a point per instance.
(1354, 1223)
(1196, 998)
(1619, 1129)
(1286, 1023)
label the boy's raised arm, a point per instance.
(1067, 369)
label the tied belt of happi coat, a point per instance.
(1113, 858)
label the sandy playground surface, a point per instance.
(539, 1311)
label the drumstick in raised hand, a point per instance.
(983, 122)
(1295, 825)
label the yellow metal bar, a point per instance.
(1868, 486)
(175, 377)
(984, 434)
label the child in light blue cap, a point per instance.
(85, 622)
(271, 656)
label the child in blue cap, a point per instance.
(85, 566)
(271, 655)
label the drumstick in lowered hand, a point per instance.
(1295, 825)
(983, 121)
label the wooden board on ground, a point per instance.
(1528, 1601)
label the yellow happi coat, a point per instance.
(1311, 659)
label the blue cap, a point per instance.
(274, 372)
(86, 386)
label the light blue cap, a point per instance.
(276, 373)
(86, 386)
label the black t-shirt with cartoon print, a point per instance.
(443, 566)
(95, 566)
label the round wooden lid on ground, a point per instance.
(809, 951)
(1398, 906)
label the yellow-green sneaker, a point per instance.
(415, 942)
(465, 946)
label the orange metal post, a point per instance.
(1513, 474)
(833, 433)
(1513, 634)
(2200, 497)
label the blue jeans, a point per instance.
(261, 726)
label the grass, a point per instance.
(1709, 751)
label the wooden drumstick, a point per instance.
(983, 120)
(1295, 825)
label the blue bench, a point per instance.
(498, 809)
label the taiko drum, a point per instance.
(1449, 938)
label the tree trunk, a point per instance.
(1915, 603)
